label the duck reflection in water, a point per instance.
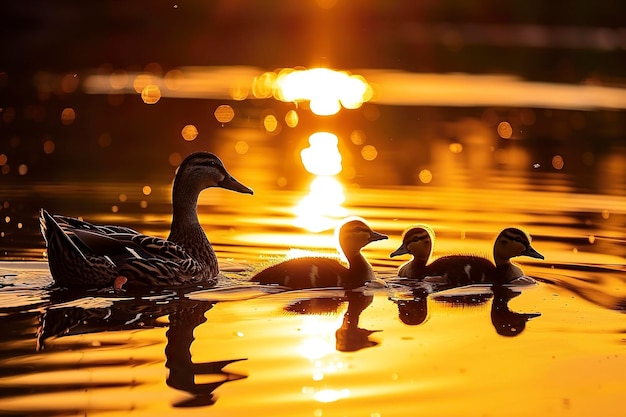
(413, 311)
(457, 270)
(504, 321)
(319, 272)
(138, 313)
(349, 337)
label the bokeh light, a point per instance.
(48, 146)
(241, 147)
(189, 132)
(369, 152)
(151, 94)
(175, 159)
(425, 176)
(558, 162)
(270, 123)
(224, 113)
(141, 81)
(455, 147)
(505, 130)
(68, 115)
(291, 118)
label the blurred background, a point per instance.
(450, 94)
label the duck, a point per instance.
(82, 254)
(320, 272)
(417, 240)
(455, 270)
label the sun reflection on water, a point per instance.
(322, 207)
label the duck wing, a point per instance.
(94, 255)
(306, 272)
(142, 259)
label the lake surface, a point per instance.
(557, 347)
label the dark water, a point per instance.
(553, 348)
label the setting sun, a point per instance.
(325, 89)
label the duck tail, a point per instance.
(46, 220)
(54, 235)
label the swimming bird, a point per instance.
(465, 269)
(82, 254)
(418, 241)
(318, 272)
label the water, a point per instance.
(554, 348)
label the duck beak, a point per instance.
(402, 250)
(530, 251)
(230, 183)
(374, 236)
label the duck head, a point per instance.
(355, 234)
(201, 170)
(418, 241)
(512, 242)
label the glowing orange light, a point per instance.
(505, 130)
(142, 81)
(322, 157)
(321, 208)
(118, 80)
(291, 118)
(175, 159)
(146, 190)
(67, 116)
(270, 123)
(241, 147)
(369, 152)
(239, 92)
(557, 162)
(151, 94)
(22, 169)
(173, 79)
(357, 137)
(189, 132)
(262, 86)
(425, 176)
(455, 147)
(48, 147)
(325, 89)
(224, 113)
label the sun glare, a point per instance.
(322, 157)
(320, 209)
(325, 89)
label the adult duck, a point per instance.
(464, 269)
(317, 272)
(81, 254)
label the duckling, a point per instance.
(418, 241)
(317, 272)
(466, 269)
(87, 255)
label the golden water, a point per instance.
(241, 349)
